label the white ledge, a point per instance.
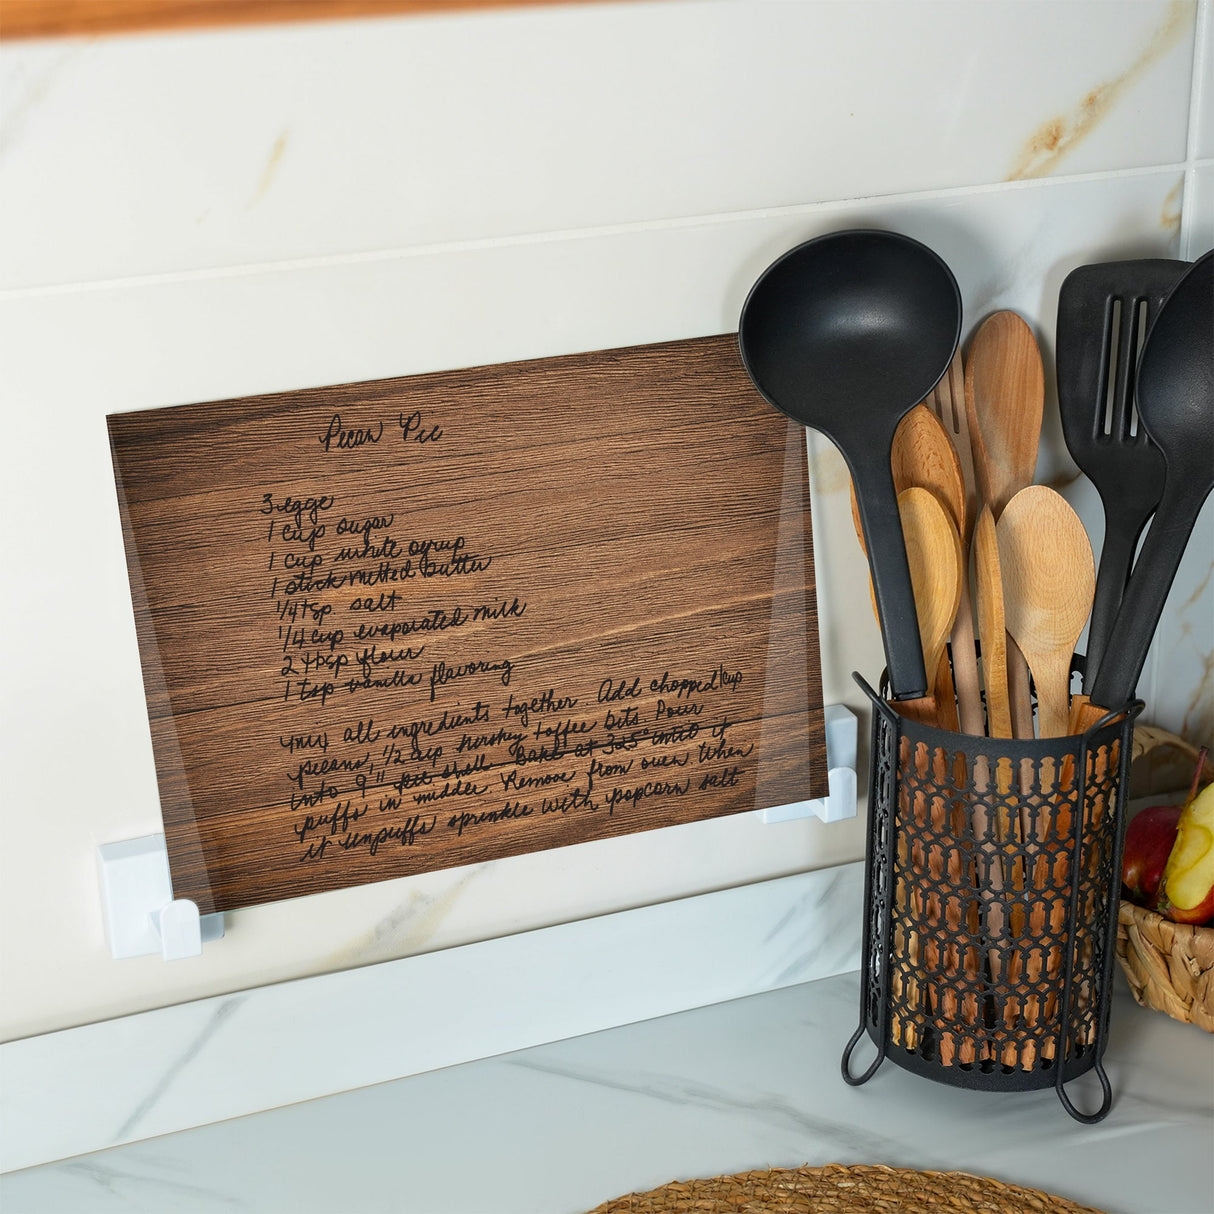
(123, 1080)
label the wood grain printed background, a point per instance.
(396, 626)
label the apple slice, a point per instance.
(1186, 894)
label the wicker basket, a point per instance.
(1169, 966)
(842, 1189)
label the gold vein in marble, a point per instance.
(1169, 216)
(1198, 719)
(1060, 135)
(270, 171)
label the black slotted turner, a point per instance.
(1104, 311)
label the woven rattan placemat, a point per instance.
(836, 1189)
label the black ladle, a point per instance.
(1176, 405)
(846, 334)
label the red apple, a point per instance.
(1148, 843)
(1186, 894)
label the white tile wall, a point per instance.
(206, 150)
(204, 215)
(1201, 134)
(1179, 683)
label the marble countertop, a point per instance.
(751, 1083)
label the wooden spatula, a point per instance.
(1004, 400)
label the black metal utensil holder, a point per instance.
(991, 888)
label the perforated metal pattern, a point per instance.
(991, 901)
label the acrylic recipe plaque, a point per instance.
(398, 626)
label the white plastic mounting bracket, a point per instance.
(141, 915)
(840, 803)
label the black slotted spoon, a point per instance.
(1104, 311)
(1176, 400)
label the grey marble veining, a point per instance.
(116, 1082)
(779, 1113)
(131, 1186)
(749, 1083)
(221, 1012)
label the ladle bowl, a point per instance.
(845, 334)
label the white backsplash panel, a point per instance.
(194, 217)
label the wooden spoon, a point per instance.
(992, 637)
(1049, 577)
(923, 456)
(933, 551)
(1004, 399)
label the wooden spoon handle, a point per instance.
(1052, 675)
(965, 666)
(1020, 693)
(992, 631)
(922, 710)
(945, 692)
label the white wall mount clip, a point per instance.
(141, 914)
(840, 802)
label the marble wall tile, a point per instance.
(1180, 691)
(163, 153)
(1202, 138)
(1179, 678)
(1199, 234)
